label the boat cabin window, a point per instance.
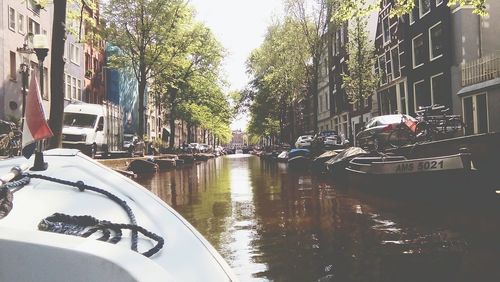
(79, 120)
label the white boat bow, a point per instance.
(28, 254)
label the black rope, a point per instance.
(5, 202)
(85, 226)
(82, 187)
(6, 196)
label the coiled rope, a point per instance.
(92, 225)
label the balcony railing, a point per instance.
(482, 69)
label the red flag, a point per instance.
(35, 126)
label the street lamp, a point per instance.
(40, 46)
(25, 53)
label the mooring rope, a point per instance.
(89, 223)
(86, 225)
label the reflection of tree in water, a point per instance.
(295, 227)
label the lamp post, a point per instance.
(25, 53)
(40, 46)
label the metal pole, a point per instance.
(39, 163)
(40, 64)
(24, 81)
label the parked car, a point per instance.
(133, 145)
(303, 141)
(328, 139)
(374, 135)
(205, 148)
(194, 147)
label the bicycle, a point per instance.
(435, 124)
(404, 134)
(432, 123)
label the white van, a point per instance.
(92, 128)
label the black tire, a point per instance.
(423, 132)
(454, 125)
(399, 137)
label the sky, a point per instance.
(240, 26)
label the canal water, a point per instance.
(272, 224)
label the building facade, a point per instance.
(391, 65)
(476, 68)
(20, 20)
(428, 52)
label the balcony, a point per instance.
(482, 69)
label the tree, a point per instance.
(349, 9)
(313, 18)
(142, 30)
(279, 70)
(192, 81)
(360, 81)
(57, 73)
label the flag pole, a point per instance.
(41, 50)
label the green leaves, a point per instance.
(360, 82)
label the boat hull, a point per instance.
(139, 166)
(299, 162)
(448, 175)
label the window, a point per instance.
(425, 7)
(327, 95)
(74, 53)
(395, 62)
(13, 66)
(12, 19)
(436, 41)
(418, 51)
(20, 23)
(79, 90)
(402, 98)
(34, 6)
(337, 42)
(438, 95)
(383, 75)
(33, 26)
(386, 30)
(73, 87)
(320, 108)
(68, 87)
(419, 95)
(66, 50)
(414, 13)
(388, 65)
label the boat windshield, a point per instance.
(80, 120)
